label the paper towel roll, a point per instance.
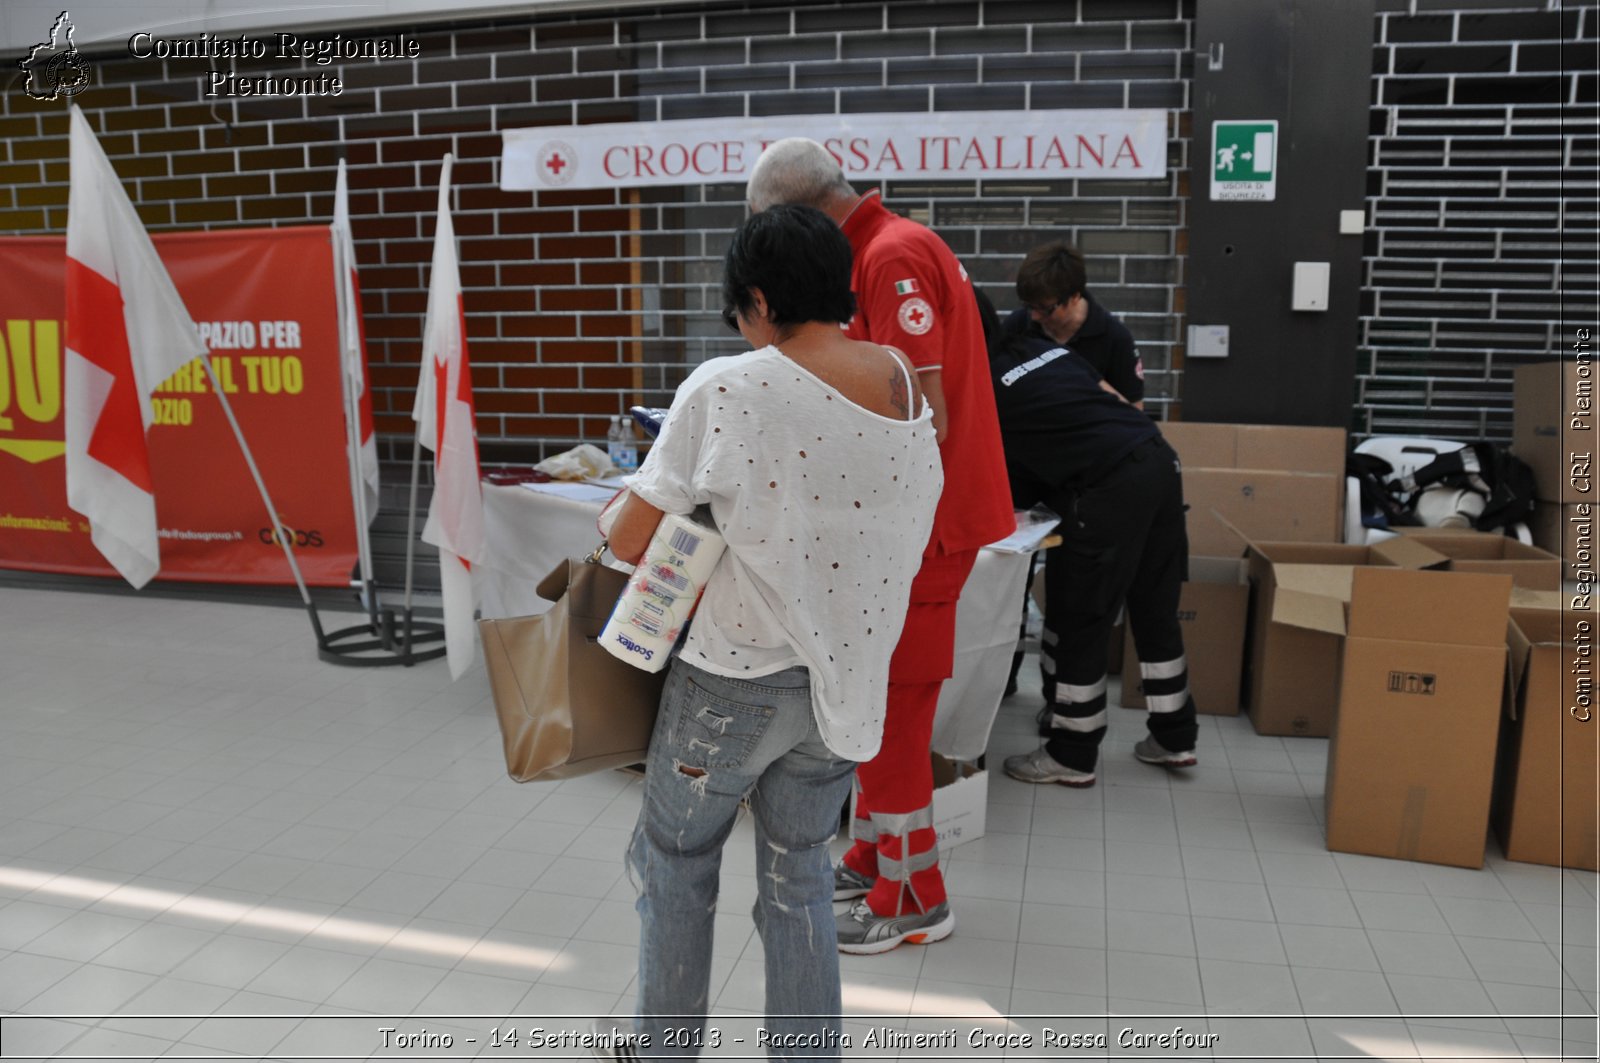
(662, 594)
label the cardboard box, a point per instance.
(1553, 428)
(1411, 756)
(960, 801)
(1211, 610)
(1272, 482)
(1565, 530)
(1285, 448)
(1549, 766)
(1475, 551)
(1298, 594)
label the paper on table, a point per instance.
(577, 492)
(1032, 526)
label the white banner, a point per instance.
(944, 146)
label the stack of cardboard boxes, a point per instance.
(1546, 784)
(1258, 481)
(1439, 663)
(1553, 431)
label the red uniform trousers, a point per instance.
(893, 826)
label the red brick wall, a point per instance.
(582, 303)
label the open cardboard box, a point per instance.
(1273, 482)
(1211, 611)
(1299, 592)
(1549, 765)
(1475, 551)
(1412, 754)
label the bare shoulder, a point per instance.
(872, 376)
(905, 392)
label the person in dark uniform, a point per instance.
(1056, 305)
(1074, 444)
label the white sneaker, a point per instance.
(1040, 766)
(1152, 752)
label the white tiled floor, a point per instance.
(211, 843)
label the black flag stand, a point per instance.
(379, 644)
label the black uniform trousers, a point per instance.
(1123, 538)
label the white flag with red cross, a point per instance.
(446, 426)
(353, 341)
(127, 332)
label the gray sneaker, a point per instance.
(1040, 766)
(862, 932)
(1152, 752)
(848, 883)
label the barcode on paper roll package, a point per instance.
(661, 596)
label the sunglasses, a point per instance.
(1043, 311)
(730, 317)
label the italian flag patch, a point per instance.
(905, 287)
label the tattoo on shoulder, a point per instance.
(898, 397)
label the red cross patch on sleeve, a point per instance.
(915, 316)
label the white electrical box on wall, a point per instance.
(1208, 341)
(1310, 286)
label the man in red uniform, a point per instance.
(911, 294)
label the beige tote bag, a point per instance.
(566, 706)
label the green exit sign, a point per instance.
(1244, 160)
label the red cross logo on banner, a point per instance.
(558, 163)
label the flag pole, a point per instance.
(358, 487)
(349, 310)
(284, 533)
(411, 537)
(358, 498)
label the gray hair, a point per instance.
(797, 172)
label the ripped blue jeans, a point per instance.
(717, 740)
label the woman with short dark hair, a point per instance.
(817, 458)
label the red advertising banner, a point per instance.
(264, 303)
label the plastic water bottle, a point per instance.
(614, 442)
(627, 456)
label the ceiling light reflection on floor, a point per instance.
(271, 917)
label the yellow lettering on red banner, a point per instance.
(30, 371)
(274, 375)
(172, 411)
(30, 384)
(191, 378)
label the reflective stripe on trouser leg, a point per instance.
(1077, 723)
(1049, 646)
(862, 857)
(1170, 707)
(902, 869)
(1173, 669)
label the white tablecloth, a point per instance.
(530, 532)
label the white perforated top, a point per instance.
(826, 508)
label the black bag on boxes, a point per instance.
(1382, 505)
(1488, 469)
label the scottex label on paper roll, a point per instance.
(662, 594)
